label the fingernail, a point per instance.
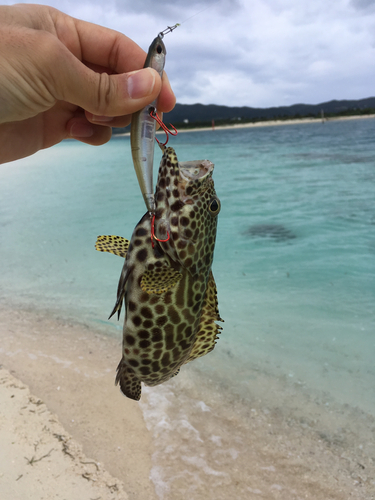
(81, 130)
(141, 83)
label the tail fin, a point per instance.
(130, 385)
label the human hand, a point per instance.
(61, 77)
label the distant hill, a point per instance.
(198, 113)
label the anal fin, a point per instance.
(130, 385)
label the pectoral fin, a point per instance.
(208, 330)
(160, 279)
(112, 244)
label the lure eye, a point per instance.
(159, 49)
(214, 207)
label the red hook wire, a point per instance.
(153, 237)
(157, 118)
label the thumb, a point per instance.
(108, 95)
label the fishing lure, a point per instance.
(143, 126)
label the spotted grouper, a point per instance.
(166, 282)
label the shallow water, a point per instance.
(294, 261)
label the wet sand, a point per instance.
(192, 437)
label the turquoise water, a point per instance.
(294, 261)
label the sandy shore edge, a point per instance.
(42, 459)
(71, 369)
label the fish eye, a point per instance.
(214, 207)
(159, 50)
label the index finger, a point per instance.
(108, 48)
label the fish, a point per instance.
(167, 284)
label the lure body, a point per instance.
(143, 128)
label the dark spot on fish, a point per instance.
(145, 370)
(141, 231)
(184, 344)
(144, 343)
(155, 366)
(189, 190)
(147, 323)
(137, 242)
(157, 354)
(161, 320)
(129, 339)
(174, 221)
(173, 315)
(176, 353)
(133, 362)
(177, 205)
(188, 262)
(137, 320)
(184, 221)
(189, 331)
(165, 359)
(159, 309)
(167, 298)
(170, 343)
(161, 183)
(157, 335)
(144, 334)
(181, 327)
(142, 255)
(144, 297)
(132, 306)
(181, 244)
(146, 312)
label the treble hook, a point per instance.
(168, 29)
(157, 118)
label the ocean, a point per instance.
(295, 271)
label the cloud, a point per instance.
(258, 53)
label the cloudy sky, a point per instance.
(256, 53)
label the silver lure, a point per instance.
(143, 126)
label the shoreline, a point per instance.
(189, 435)
(267, 123)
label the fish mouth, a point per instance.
(196, 169)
